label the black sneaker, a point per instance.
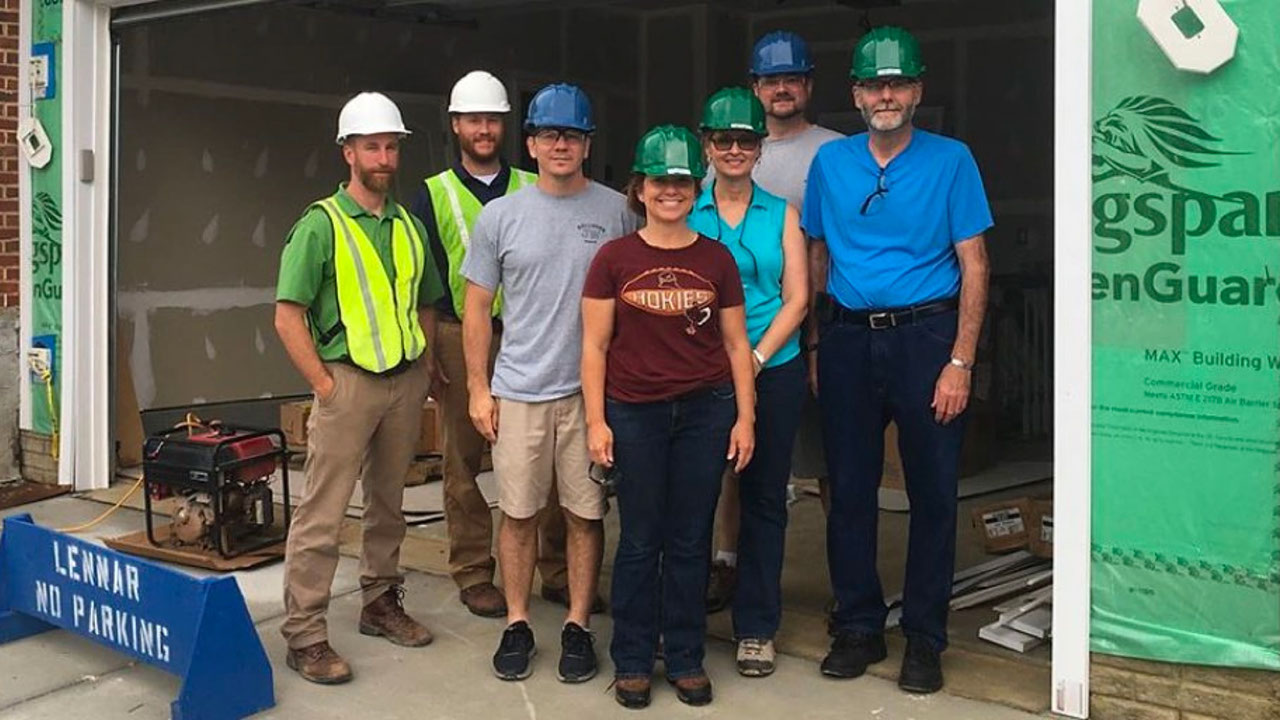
(851, 653)
(921, 668)
(512, 660)
(577, 654)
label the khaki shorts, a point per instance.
(538, 444)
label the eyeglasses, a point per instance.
(604, 476)
(880, 191)
(746, 142)
(895, 83)
(551, 136)
(773, 81)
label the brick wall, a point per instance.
(1124, 689)
(9, 153)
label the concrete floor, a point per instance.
(59, 676)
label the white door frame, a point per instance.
(86, 457)
(85, 424)
(1072, 354)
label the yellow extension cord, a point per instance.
(191, 422)
(45, 375)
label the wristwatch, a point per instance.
(759, 356)
(961, 364)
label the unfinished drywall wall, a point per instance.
(218, 159)
(227, 123)
(202, 223)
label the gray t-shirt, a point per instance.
(784, 164)
(537, 248)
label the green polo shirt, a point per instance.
(307, 275)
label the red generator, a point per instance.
(222, 477)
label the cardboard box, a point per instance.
(293, 422)
(430, 438)
(1004, 526)
(1041, 528)
(977, 454)
(422, 470)
(294, 416)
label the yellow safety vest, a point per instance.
(456, 210)
(381, 320)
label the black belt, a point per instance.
(389, 372)
(892, 317)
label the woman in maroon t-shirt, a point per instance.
(668, 384)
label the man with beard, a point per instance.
(782, 78)
(353, 303)
(536, 245)
(899, 214)
(448, 205)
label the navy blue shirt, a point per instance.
(899, 252)
(422, 208)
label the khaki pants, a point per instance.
(368, 431)
(466, 512)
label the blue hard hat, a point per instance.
(560, 106)
(781, 52)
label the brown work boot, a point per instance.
(693, 689)
(484, 599)
(632, 692)
(386, 617)
(319, 664)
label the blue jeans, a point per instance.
(865, 379)
(762, 492)
(670, 456)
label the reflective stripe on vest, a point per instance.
(456, 210)
(380, 318)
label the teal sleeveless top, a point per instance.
(756, 245)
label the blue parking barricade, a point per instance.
(196, 628)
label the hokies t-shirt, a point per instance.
(666, 329)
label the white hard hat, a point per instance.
(478, 92)
(369, 113)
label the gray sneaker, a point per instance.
(756, 657)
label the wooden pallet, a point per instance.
(425, 468)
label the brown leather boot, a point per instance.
(632, 692)
(319, 664)
(693, 689)
(386, 617)
(484, 599)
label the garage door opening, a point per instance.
(225, 132)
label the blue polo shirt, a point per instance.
(900, 252)
(756, 245)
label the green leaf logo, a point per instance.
(1146, 138)
(46, 217)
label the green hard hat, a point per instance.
(733, 108)
(669, 150)
(887, 51)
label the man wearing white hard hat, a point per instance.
(353, 304)
(448, 205)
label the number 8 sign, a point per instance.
(1196, 35)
